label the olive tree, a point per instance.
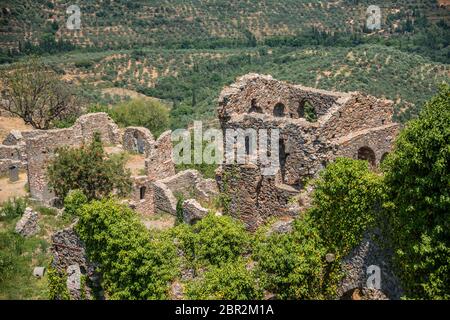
(34, 92)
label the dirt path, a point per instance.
(7, 124)
(16, 189)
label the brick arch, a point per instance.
(279, 110)
(366, 153)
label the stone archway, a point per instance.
(366, 153)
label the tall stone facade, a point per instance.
(315, 127)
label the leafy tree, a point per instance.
(34, 92)
(229, 281)
(74, 200)
(134, 264)
(418, 183)
(150, 114)
(89, 169)
(346, 197)
(292, 265)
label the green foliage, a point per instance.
(418, 186)
(57, 286)
(212, 240)
(150, 114)
(219, 239)
(134, 264)
(346, 198)
(229, 281)
(11, 247)
(18, 257)
(74, 200)
(310, 112)
(13, 208)
(292, 265)
(90, 170)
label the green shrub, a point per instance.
(214, 240)
(13, 208)
(346, 200)
(11, 248)
(74, 200)
(292, 265)
(89, 170)
(57, 285)
(150, 114)
(418, 186)
(229, 281)
(134, 264)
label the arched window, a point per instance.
(142, 191)
(255, 108)
(306, 110)
(278, 110)
(365, 153)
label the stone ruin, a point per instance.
(315, 126)
(154, 189)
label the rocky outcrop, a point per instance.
(28, 226)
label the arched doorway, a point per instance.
(365, 153)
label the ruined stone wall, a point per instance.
(188, 184)
(101, 122)
(378, 141)
(356, 113)
(261, 94)
(138, 140)
(254, 197)
(10, 156)
(159, 163)
(40, 148)
(142, 196)
(67, 249)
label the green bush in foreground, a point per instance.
(346, 199)
(418, 212)
(229, 281)
(292, 265)
(134, 264)
(214, 240)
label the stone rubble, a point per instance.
(28, 226)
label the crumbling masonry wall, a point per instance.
(315, 127)
(41, 148)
